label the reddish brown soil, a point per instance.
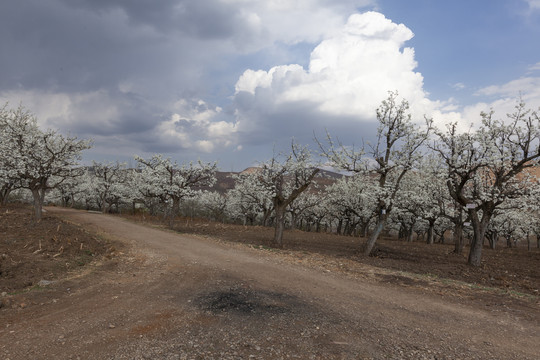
(515, 269)
(47, 250)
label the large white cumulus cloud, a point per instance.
(349, 73)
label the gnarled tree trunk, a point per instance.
(479, 228)
(280, 225)
(381, 222)
(38, 196)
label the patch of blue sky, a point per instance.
(462, 46)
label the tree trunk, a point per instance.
(103, 207)
(459, 244)
(430, 233)
(174, 210)
(442, 240)
(280, 225)
(266, 217)
(340, 226)
(346, 228)
(475, 253)
(372, 239)
(479, 227)
(458, 237)
(4, 195)
(363, 229)
(293, 220)
(175, 206)
(492, 237)
(351, 227)
(410, 234)
(38, 204)
(402, 233)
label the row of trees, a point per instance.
(412, 178)
(483, 169)
(34, 159)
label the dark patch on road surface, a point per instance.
(246, 301)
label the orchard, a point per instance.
(415, 181)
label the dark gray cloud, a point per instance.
(114, 70)
(68, 48)
(210, 19)
(110, 114)
(122, 64)
(276, 125)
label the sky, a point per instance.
(234, 81)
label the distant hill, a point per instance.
(226, 182)
(250, 170)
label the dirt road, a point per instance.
(185, 297)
